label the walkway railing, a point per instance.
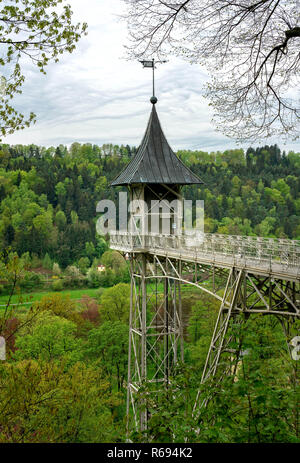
(229, 249)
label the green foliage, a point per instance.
(113, 260)
(83, 264)
(60, 220)
(61, 306)
(46, 33)
(47, 262)
(114, 303)
(74, 217)
(101, 245)
(258, 403)
(49, 403)
(30, 281)
(94, 277)
(58, 285)
(50, 338)
(56, 269)
(109, 342)
(60, 383)
(90, 250)
(47, 202)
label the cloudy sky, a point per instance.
(97, 96)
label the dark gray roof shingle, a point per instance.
(155, 162)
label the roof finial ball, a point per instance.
(153, 100)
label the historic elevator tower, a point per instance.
(261, 275)
(154, 179)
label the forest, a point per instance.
(65, 323)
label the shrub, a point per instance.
(8, 332)
(30, 281)
(47, 262)
(26, 259)
(56, 269)
(107, 278)
(94, 278)
(91, 310)
(74, 277)
(58, 285)
(35, 261)
(83, 264)
(113, 260)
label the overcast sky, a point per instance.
(96, 96)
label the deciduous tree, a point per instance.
(250, 48)
(39, 30)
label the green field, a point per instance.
(32, 297)
(23, 299)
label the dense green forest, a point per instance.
(48, 196)
(64, 378)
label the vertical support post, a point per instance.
(174, 311)
(155, 336)
(129, 346)
(180, 313)
(144, 336)
(166, 330)
(244, 292)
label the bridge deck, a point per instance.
(265, 256)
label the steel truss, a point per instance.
(247, 294)
(156, 325)
(156, 331)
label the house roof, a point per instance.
(155, 162)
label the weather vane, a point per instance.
(151, 64)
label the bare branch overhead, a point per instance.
(251, 49)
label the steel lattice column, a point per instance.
(155, 333)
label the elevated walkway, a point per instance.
(262, 256)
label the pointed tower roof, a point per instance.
(155, 162)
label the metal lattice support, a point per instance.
(155, 338)
(258, 276)
(247, 294)
(229, 302)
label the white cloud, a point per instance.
(95, 95)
